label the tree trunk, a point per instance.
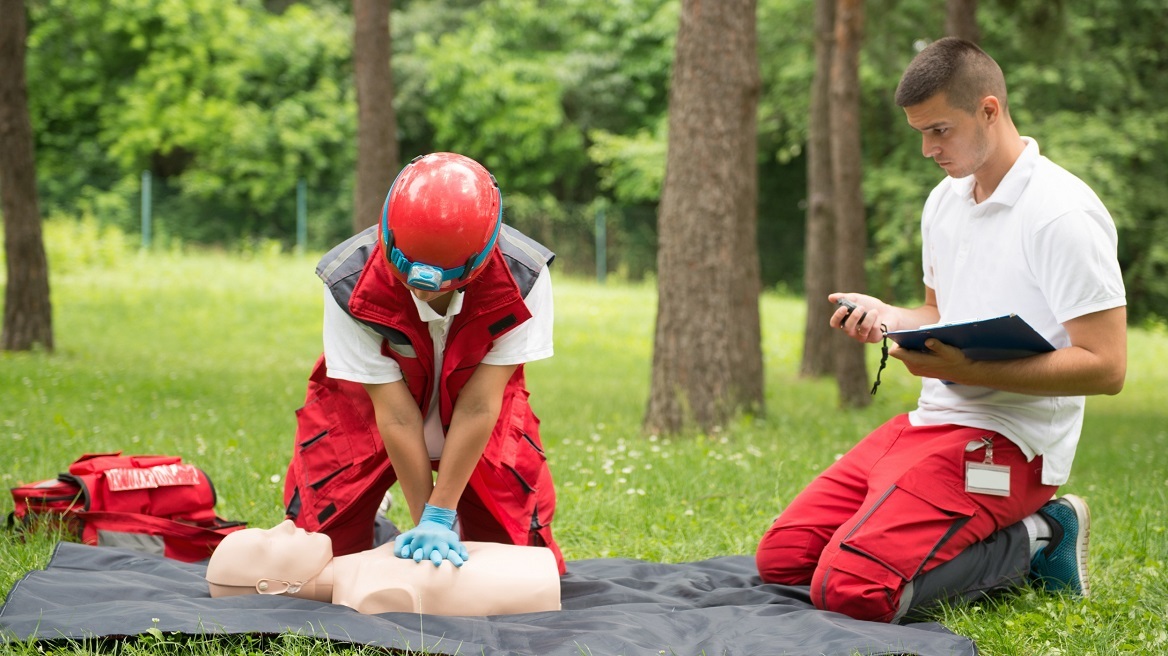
(707, 355)
(851, 238)
(961, 20)
(819, 255)
(377, 151)
(28, 315)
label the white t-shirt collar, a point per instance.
(427, 313)
(1010, 188)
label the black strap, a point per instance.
(883, 357)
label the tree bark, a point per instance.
(851, 237)
(377, 148)
(819, 255)
(28, 316)
(961, 20)
(707, 355)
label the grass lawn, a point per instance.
(206, 356)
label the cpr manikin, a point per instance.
(497, 579)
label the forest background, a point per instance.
(230, 104)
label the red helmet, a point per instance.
(440, 221)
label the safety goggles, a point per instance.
(427, 276)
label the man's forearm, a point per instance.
(406, 448)
(475, 414)
(913, 318)
(1068, 371)
(465, 441)
(1095, 363)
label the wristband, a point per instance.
(443, 516)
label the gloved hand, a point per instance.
(432, 539)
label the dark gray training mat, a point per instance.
(610, 606)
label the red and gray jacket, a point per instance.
(359, 279)
(511, 479)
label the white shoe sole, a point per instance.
(1082, 540)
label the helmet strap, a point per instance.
(468, 267)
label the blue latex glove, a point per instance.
(432, 539)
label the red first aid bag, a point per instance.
(155, 504)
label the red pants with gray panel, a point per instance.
(890, 528)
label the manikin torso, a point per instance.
(498, 579)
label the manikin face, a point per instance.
(283, 553)
(955, 139)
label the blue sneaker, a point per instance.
(1062, 566)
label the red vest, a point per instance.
(339, 468)
(491, 308)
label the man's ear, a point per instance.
(990, 108)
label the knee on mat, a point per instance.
(872, 594)
(784, 556)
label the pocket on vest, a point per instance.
(336, 442)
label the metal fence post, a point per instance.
(146, 209)
(301, 215)
(601, 245)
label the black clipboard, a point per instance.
(1001, 338)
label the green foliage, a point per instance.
(226, 104)
(229, 104)
(168, 353)
(632, 168)
(521, 84)
(525, 87)
(482, 97)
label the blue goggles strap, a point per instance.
(403, 264)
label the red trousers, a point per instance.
(892, 508)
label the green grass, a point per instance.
(206, 356)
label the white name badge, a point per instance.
(982, 478)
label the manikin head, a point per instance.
(284, 559)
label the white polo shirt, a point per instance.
(1042, 246)
(352, 350)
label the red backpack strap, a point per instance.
(156, 535)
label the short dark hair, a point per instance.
(956, 67)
